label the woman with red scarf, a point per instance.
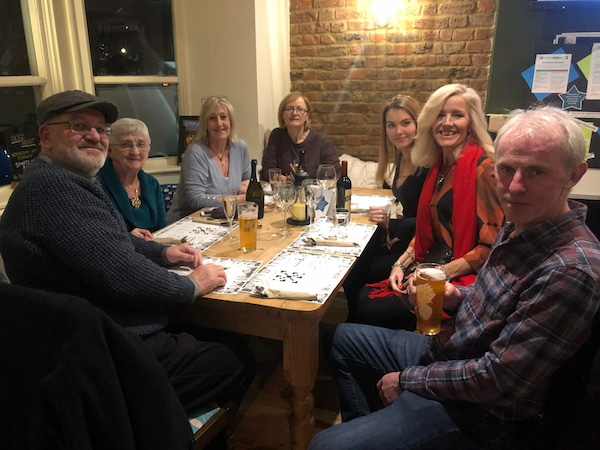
(458, 208)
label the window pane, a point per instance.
(131, 37)
(17, 111)
(13, 48)
(155, 105)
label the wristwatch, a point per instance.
(399, 264)
(399, 376)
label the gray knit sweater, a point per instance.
(61, 233)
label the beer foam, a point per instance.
(432, 274)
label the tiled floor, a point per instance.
(263, 415)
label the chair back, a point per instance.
(168, 191)
(565, 412)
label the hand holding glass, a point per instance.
(229, 200)
(284, 195)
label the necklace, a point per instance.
(442, 176)
(220, 158)
(136, 202)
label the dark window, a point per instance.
(131, 37)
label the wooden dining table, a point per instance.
(295, 323)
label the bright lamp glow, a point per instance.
(383, 12)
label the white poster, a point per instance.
(593, 87)
(551, 74)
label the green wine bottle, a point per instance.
(255, 191)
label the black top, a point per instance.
(408, 194)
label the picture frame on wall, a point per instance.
(23, 147)
(188, 128)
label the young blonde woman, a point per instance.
(399, 128)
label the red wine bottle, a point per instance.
(344, 188)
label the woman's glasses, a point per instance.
(298, 109)
(140, 145)
(204, 99)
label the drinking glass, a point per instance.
(342, 217)
(327, 176)
(284, 195)
(248, 217)
(229, 200)
(430, 281)
(313, 192)
(274, 178)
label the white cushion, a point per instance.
(362, 173)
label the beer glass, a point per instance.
(430, 282)
(248, 218)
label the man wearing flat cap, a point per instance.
(61, 233)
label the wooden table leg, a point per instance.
(300, 364)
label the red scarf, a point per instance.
(464, 214)
(464, 209)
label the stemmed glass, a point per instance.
(313, 192)
(229, 200)
(274, 177)
(327, 176)
(284, 195)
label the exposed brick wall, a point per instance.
(348, 70)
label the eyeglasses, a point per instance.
(298, 109)
(204, 99)
(140, 145)
(82, 129)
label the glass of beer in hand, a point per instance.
(430, 282)
(248, 217)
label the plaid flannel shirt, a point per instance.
(529, 310)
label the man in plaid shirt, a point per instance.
(531, 307)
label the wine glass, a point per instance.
(313, 192)
(274, 178)
(229, 200)
(284, 195)
(327, 176)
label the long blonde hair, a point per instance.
(426, 150)
(410, 106)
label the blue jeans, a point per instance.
(361, 354)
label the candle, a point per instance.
(299, 211)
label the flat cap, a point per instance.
(70, 101)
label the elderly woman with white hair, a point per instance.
(134, 193)
(217, 162)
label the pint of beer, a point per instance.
(248, 217)
(430, 282)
